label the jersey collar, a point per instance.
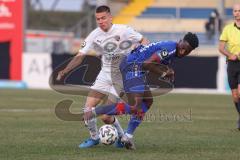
(110, 30)
(235, 25)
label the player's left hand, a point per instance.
(60, 75)
(170, 72)
(168, 75)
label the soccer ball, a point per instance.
(108, 134)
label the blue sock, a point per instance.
(133, 124)
(135, 120)
(113, 109)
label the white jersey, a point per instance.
(112, 45)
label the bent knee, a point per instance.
(235, 96)
(148, 102)
(107, 119)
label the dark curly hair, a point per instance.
(192, 39)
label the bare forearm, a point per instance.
(144, 41)
(74, 63)
(222, 49)
(155, 68)
(224, 52)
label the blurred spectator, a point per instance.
(214, 22)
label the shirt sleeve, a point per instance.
(164, 52)
(133, 35)
(87, 44)
(224, 35)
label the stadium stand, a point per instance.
(191, 3)
(171, 18)
(135, 8)
(172, 25)
(192, 13)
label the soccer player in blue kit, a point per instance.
(133, 69)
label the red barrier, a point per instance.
(11, 29)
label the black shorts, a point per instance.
(233, 71)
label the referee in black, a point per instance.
(230, 47)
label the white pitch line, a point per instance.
(30, 99)
(25, 110)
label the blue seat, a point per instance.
(195, 13)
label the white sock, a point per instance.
(129, 135)
(118, 127)
(92, 127)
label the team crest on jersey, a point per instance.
(163, 53)
(117, 38)
(83, 44)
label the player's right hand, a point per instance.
(60, 75)
(232, 57)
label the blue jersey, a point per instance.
(164, 50)
(134, 78)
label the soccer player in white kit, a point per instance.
(112, 42)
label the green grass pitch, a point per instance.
(178, 127)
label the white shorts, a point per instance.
(109, 84)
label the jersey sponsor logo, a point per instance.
(111, 57)
(125, 45)
(110, 47)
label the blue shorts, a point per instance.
(134, 78)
